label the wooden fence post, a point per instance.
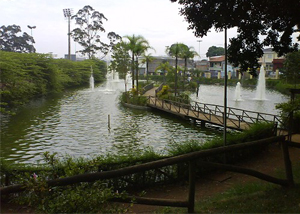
(287, 164)
(192, 186)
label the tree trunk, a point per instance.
(132, 70)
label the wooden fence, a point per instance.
(189, 158)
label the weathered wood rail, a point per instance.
(238, 119)
(190, 158)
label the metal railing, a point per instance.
(214, 112)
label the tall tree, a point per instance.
(137, 46)
(291, 69)
(121, 60)
(165, 67)
(90, 24)
(276, 20)
(187, 54)
(10, 41)
(147, 59)
(215, 51)
(177, 51)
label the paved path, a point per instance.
(151, 92)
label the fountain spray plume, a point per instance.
(261, 85)
(238, 95)
(92, 82)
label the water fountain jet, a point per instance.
(92, 81)
(238, 96)
(261, 85)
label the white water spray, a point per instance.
(92, 81)
(261, 85)
(238, 95)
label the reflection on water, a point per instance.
(76, 123)
(215, 95)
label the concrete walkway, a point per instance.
(151, 92)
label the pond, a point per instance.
(76, 123)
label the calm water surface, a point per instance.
(76, 123)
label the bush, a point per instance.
(285, 112)
(131, 97)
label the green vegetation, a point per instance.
(131, 97)
(12, 42)
(27, 76)
(286, 109)
(67, 199)
(252, 20)
(215, 51)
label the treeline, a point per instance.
(26, 76)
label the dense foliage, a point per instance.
(12, 42)
(291, 71)
(26, 76)
(276, 20)
(215, 51)
(290, 114)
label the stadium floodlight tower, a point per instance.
(68, 14)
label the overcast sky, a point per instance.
(156, 20)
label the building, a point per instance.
(217, 67)
(269, 58)
(73, 57)
(202, 65)
(157, 60)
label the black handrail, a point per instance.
(234, 115)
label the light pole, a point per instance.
(199, 49)
(31, 27)
(68, 14)
(225, 90)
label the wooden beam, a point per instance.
(152, 201)
(282, 182)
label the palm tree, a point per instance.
(187, 53)
(147, 59)
(137, 45)
(175, 51)
(165, 67)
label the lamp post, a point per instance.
(31, 27)
(199, 48)
(225, 89)
(68, 14)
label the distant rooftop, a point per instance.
(217, 58)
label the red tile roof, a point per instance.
(217, 59)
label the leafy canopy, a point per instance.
(291, 69)
(215, 51)
(275, 20)
(90, 24)
(11, 42)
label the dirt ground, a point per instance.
(208, 185)
(215, 183)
